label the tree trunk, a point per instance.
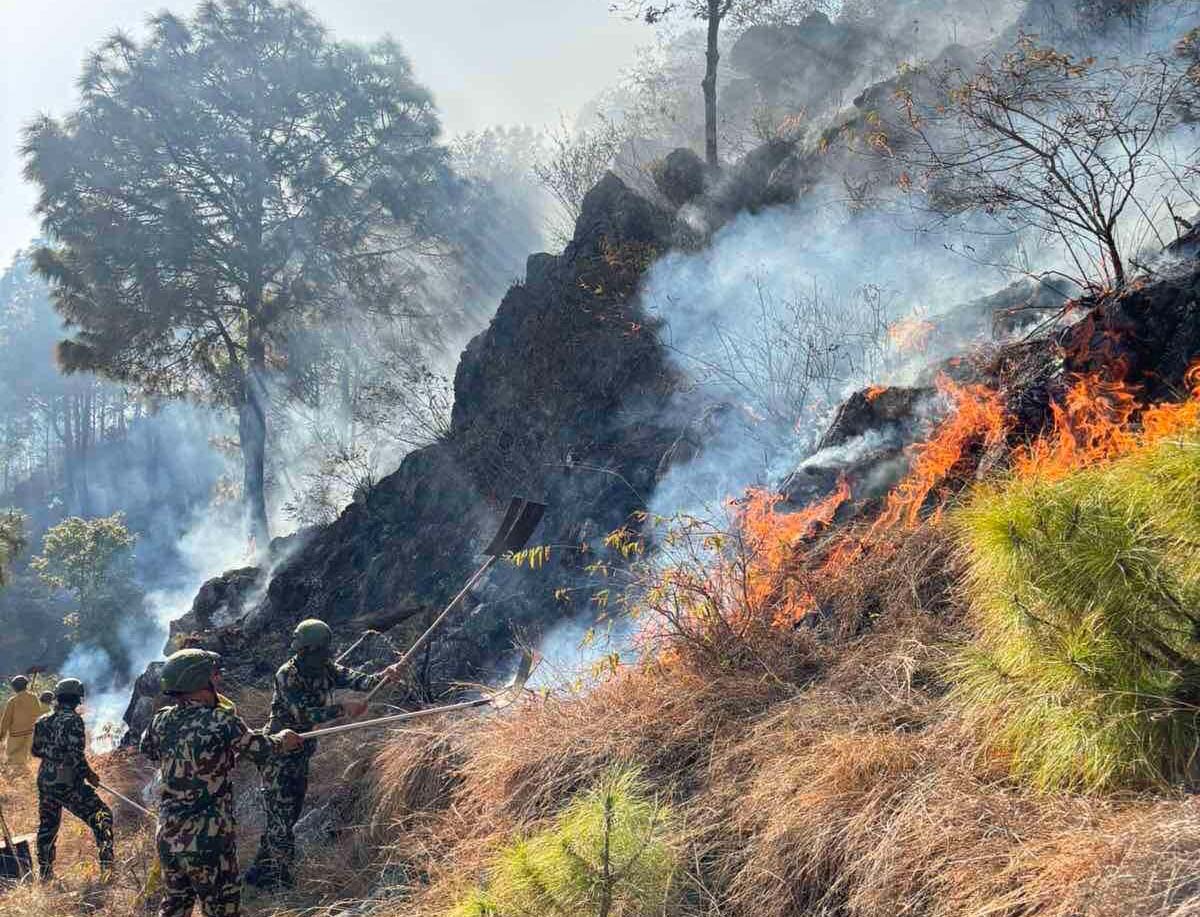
(1114, 254)
(85, 435)
(709, 85)
(252, 432)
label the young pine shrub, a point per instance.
(606, 854)
(1085, 591)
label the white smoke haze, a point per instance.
(572, 652)
(852, 274)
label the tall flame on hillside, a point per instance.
(1096, 420)
(977, 419)
(1099, 420)
(773, 540)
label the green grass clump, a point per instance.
(606, 854)
(1085, 593)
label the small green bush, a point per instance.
(606, 854)
(1086, 600)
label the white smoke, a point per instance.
(836, 265)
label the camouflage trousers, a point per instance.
(81, 801)
(210, 878)
(284, 786)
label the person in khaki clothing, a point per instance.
(16, 723)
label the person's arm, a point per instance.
(355, 680)
(257, 746)
(6, 719)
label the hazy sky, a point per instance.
(487, 62)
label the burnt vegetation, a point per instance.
(886, 584)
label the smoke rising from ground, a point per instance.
(810, 291)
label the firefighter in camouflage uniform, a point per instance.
(304, 686)
(65, 779)
(196, 743)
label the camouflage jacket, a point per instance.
(197, 747)
(59, 740)
(302, 701)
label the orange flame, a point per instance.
(772, 539)
(1092, 424)
(978, 418)
(1098, 421)
(874, 392)
(909, 335)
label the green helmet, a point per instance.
(19, 683)
(188, 670)
(310, 635)
(69, 687)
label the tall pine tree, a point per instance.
(235, 175)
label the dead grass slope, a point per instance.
(860, 792)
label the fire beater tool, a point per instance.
(520, 519)
(16, 862)
(154, 876)
(499, 699)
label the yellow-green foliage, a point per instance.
(1086, 600)
(606, 855)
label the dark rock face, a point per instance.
(1149, 334)
(222, 601)
(869, 410)
(558, 399)
(865, 443)
(681, 175)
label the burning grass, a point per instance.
(858, 784)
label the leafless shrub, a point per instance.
(1077, 151)
(796, 353)
(576, 161)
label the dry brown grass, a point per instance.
(860, 795)
(76, 890)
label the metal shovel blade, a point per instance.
(520, 519)
(16, 861)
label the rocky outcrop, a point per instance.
(559, 399)
(681, 175)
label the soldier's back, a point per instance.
(195, 747)
(296, 691)
(58, 739)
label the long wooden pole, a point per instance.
(355, 645)
(437, 621)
